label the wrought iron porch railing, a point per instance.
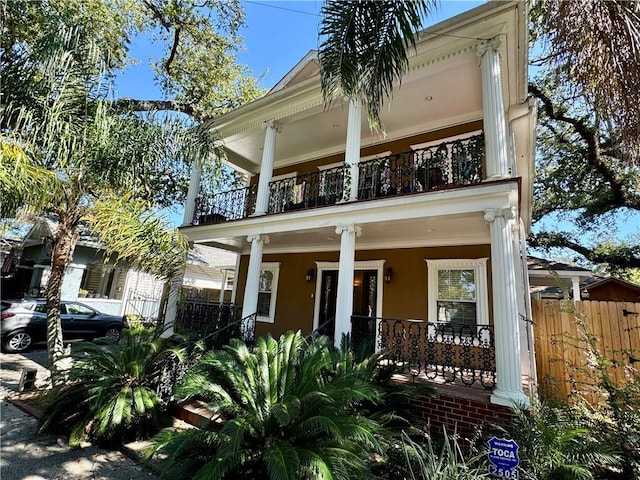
(447, 164)
(453, 353)
(171, 371)
(205, 318)
(225, 206)
(314, 189)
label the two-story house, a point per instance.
(412, 240)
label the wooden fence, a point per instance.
(564, 363)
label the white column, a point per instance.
(495, 124)
(266, 167)
(352, 148)
(252, 286)
(222, 285)
(344, 300)
(192, 193)
(575, 283)
(505, 310)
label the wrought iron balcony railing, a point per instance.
(448, 164)
(448, 352)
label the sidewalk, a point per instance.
(27, 456)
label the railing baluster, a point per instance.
(441, 351)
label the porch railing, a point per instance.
(171, 371)
(439, 351)
(447, 164)
(205, 318)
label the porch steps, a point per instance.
(195, 412)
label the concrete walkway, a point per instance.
(27, 456)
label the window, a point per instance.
(78, 309)
(458, 292)
(267, 289)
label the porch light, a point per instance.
(309, 275)
(388, 273)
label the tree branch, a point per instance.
(133, 105)
(620, 256)
(589, 135)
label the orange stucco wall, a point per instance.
(404, 297)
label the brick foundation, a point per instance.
(459, 411)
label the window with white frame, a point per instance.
(458, 292)
(267, 291)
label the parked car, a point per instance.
(23, 322)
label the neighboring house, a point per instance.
(414, 237)
(550, 279)
(611, 290)
(117, 289)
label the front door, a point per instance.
(365, 294)
(328, 295)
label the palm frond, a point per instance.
(364, 48)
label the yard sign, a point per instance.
(503, 455)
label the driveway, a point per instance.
(28, 456)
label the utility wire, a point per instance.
(282, 8)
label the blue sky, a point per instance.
(277, 35)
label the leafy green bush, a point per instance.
(291, 411)
(428, 462)
(561, 442)
(110, 397)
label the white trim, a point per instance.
(329, 166)
(377, 265)
(433, 143)
(284, 176)
(375, 155)
(478, 265)
(273, 267)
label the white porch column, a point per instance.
(344, 300)
(505, 310)
(192, 193)
(251, 288)
(495, 124)
(352, 148)
(575, 287)
(266, 167)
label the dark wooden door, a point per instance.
(328, 295)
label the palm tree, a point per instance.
(73, 150)
(290, 411)
(364, 49)
(110, 396)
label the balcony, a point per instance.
(446, 165)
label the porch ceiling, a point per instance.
(463, 229)
(431, 97)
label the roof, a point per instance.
(603, 281)
(540, 265)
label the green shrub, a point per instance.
(110, 397)
(291, 411)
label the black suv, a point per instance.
(24, 322)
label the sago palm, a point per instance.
(289, 410)
(110, 393)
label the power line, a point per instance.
(282, 8)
